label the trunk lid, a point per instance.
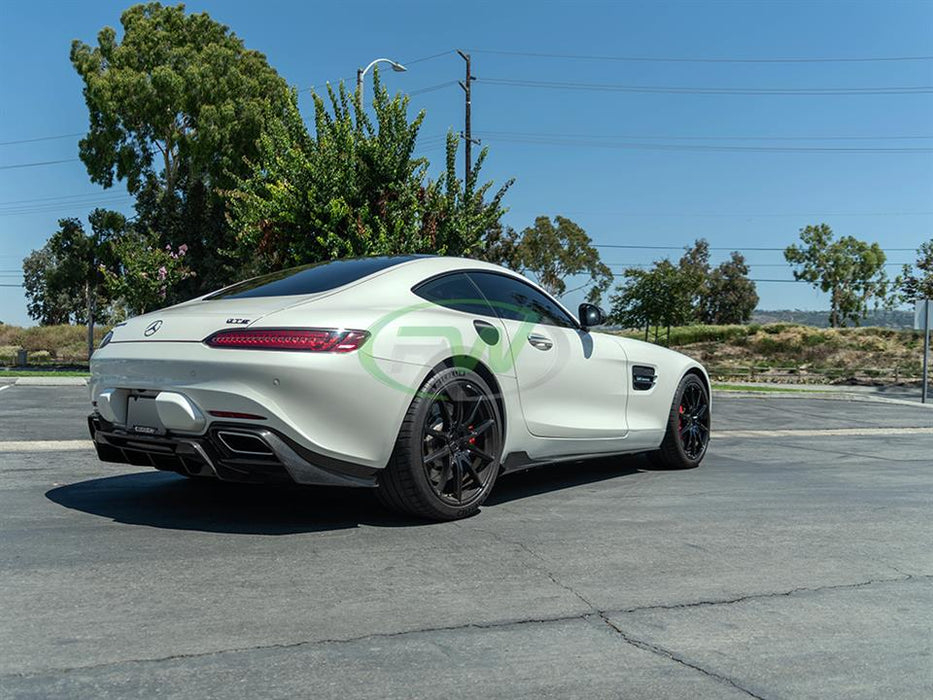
(195, 320)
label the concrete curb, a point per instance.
(45, 445)
(51, 381)
(823, 395)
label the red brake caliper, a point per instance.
(680, 420)
(472, 439)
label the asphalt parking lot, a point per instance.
(796, 562)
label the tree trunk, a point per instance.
(90, 293)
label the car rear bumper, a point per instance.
(329, 403)
(229, 452)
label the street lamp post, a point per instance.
(361, 73)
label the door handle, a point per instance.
(541, 342)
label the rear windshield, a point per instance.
(310, 279)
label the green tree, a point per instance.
(63, 279)
(659, 296)
(175, 106)
(48, 300)
(145, 272)
(551, 252)
(354, 188)
(459, 215)
(849, 270)
(728, 295)
(501, 246)
(694, 273)
(916, 284)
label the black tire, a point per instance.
(688, 427)
(446, 458)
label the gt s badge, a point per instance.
(238, 321)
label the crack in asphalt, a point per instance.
(670, 655)
(775, 594)
(602, 615)
(500, 624)
(543, 569)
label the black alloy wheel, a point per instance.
(693, 422)
(688, 427)
(458, 442)
(447, 455)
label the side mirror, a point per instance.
(590, 315)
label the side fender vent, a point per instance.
(643, 377)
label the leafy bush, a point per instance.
(688, 335)
(8, 354)
(775, 328)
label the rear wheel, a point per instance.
(688, 427)
(446, 458)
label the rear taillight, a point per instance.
(236, 414)
(300, 339)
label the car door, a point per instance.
(571, 383)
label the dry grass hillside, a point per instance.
(784, 352)
(46, 345)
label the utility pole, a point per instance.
(467, 126)
(926, 349)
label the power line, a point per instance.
(55, 201)
(687, 90)
(680, 247)
(46, 199)
(768, 281)
(670, 59)
(427, 58)
(746, 215)
(747, 264)
(643, 146)
(431, 88)
(36, 164)
(42, 138)
(64, 206)
(681, 137)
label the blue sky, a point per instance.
(633, 168)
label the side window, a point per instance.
(455, 291)
(513, 299)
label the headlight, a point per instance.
(105, 340)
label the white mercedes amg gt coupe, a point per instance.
(424, 377)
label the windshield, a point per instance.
(310, 279)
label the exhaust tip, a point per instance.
(244, 443)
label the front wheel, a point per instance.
(446, 458)
(688, 427)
